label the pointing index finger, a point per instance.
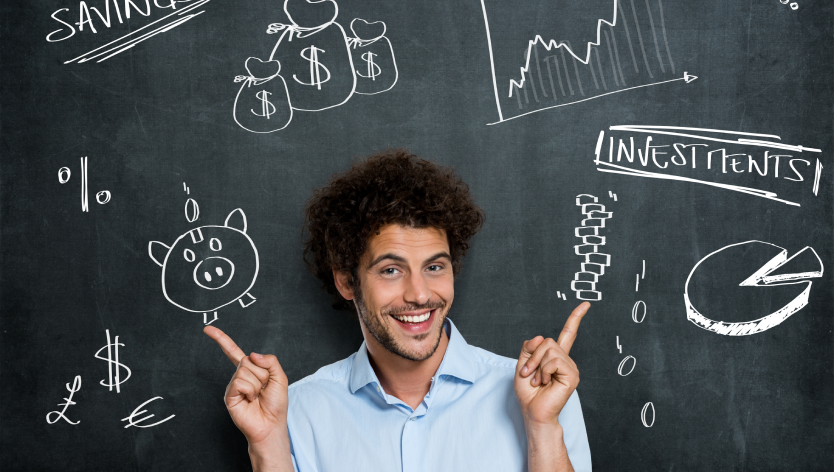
(234, 353)
(568, 334)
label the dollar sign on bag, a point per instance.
(113, 365)
(316, 67)
(373, 69)
(266, 106)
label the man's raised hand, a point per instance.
(256, 397)
(545, 376)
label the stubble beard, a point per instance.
(383, 334)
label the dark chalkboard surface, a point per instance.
(665, 159)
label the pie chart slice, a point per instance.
(749, 287)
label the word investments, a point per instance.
(694, 155)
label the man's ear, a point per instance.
(342, 280)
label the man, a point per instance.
(387, 239)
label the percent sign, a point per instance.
(64, 174)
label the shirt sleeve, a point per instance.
(292, 455)
(574, 434)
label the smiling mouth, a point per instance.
(413, 319)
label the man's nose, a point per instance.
(417, 290)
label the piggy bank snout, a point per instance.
(213, 273)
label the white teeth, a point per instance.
(414, 319)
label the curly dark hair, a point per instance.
(390, 187)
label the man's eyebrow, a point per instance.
(389, 255)
(439, 255)
(397, 258)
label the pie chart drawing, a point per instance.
(753, 285)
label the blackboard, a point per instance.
(728, 107)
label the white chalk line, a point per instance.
(586, 99)
(752, 142)
(655, 175)
(193, 6)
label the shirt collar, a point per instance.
(458, 361)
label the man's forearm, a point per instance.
(546, 449)
(272, 454)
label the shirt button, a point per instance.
(412, 419)
(377, 388)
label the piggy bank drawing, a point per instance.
(209, 267)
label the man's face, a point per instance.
(406, 288)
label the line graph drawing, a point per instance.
(608, 64)
(764, 267)
(209, 267)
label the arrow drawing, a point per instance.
(688, 78)
(773, 268)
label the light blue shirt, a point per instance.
(340, 418)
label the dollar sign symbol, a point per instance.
(316, 67)
(113, 364)
(266, 107)
(373, 69)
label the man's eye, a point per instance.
(435, 267)
(389, 271)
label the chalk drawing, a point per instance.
(794, 5)
(64, 175)
(586, 62)
(323, 66)
(585, 281)
(643, 414)
(775, 269)
(131, 421)
(638, 312)
(209, 267)
(76, 386)
(682, 155)
(126, 42)
(624, 363)
(373, 55)
(192, 210)
(114, 367)
(262, 104)
(315, 56)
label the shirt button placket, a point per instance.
(411, 446)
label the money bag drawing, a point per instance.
(262, 104)
(209, 267)
(314, 54)
(373, 56)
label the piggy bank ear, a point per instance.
(158, 251)
(236, 220)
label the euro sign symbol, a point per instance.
(373, 69)
(267, 107)
(113, 364)
(316, 67)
